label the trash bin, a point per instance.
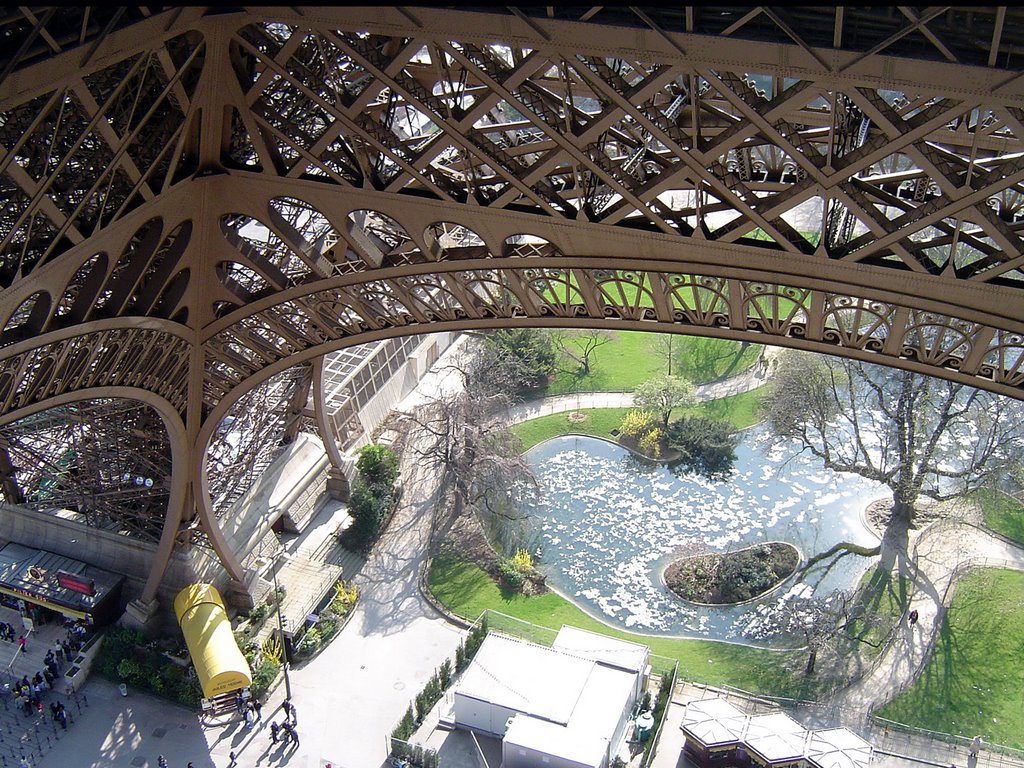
(123, 688)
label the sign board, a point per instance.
(76, 583)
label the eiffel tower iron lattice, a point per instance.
(199, 203)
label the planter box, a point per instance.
(82, 663)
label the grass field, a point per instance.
(466, 590)
(739, 410)
(971, 686)
(1002, 513)
(632, 358)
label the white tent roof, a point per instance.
(776, 737)
(713, 722)
(838, 748)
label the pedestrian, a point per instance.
(23, 763)
(975, 746)
(21, 644)
(190, 765)
(913, 617)
(62, 718)
(161, 762)
(250, 717)
(240, 703)
(257, 705)
(274, 728)
(232, 756)
(287, 707)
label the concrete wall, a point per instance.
(404, 381)
(111, 551)
(481, 715)
(514, 756)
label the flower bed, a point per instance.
(732, 577)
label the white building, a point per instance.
(567, 706)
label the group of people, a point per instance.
(286, 729)
(251, 710)
(29, 692)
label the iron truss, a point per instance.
(197, 200)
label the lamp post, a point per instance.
(284, 644)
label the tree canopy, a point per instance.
(917, 435)
(663, 394)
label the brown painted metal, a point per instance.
(197, 201)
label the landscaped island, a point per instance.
(732, 577)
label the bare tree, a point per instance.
(463, 436)
(578, 345)
(917, 435)
(820, 622)
(667, 347)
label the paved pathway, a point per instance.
(352, 694)
(941, 552)
(734, 385)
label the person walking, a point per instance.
(975, 746)
(257, 706)
(21, 644)
(913, 617)
(274, 728)
(233, 762)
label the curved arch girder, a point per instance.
(341, 314)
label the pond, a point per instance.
(608, 524)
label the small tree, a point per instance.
(667, 346)
(707, 446)
(377, 465)
(663, 394)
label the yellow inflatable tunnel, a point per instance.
(221, 667)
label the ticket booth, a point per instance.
(838, 748)
(43, 584)
(713, 729)
(776, 741)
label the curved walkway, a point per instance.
(750, 379)
(939, 554)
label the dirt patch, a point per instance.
(878, 512)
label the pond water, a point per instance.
(608, 524)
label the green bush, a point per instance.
(263, 677)
(509, 574)
(310, 642)
(377, 466)
(124, 657)
(707, 446)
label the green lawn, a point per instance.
(1002, 513)
(632, 358)
(740, 410)
(467, 591)
(972, 685)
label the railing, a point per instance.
(656, 736)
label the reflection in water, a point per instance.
(609, 524)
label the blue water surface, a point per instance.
(609, 523)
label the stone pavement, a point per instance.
(347, 698)
(351, 695)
